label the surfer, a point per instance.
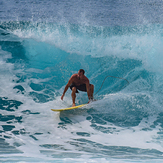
(79, 82)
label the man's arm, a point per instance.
(66, 88)
(88, 90)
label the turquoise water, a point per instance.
(42, 43)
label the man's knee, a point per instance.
(92, 87)
(73, 89)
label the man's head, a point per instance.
(82, 71)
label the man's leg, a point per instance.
(92, 90)
(73, 94)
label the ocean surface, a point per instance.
(118, 43)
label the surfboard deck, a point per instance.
(70, 108)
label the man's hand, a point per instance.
(62, 97)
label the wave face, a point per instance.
(41, 49)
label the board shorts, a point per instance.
(81, 87)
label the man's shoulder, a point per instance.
(74, 75)
(86, 79)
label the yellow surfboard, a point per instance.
(70, 108)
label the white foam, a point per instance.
(144, 47)
(44, 128)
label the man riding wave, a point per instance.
(79, 82)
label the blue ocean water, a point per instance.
(42, 43)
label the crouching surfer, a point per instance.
(79, 82)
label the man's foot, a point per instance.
(91, 100)
(73, 105)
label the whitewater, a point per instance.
(42, 43)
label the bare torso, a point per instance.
(75, 79)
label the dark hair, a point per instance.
(81, 70)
